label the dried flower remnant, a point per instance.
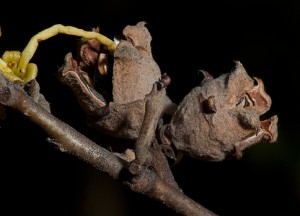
(218, 119)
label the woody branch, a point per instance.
(150, 184)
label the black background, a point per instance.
(38, 179)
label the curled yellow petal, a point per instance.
(31, 47)
(12, 59)
(8, 73)
(15, 65)
(31, 73)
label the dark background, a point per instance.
(38, 179)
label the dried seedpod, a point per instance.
(221, 117)
(218, 119)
